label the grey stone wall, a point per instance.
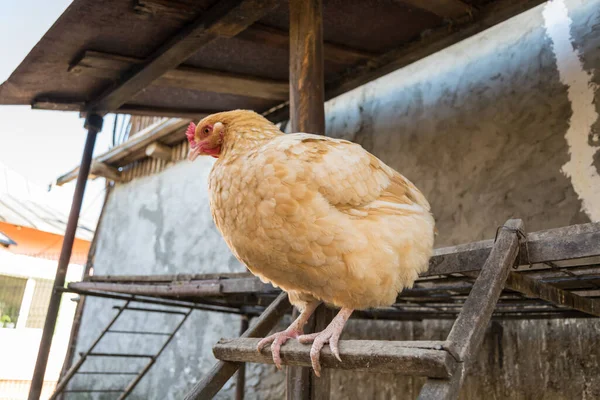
(482, 129)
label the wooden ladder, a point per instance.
(445, 363)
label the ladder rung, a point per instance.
(151, 310)
(105, 373)
(414, 358)
(121, 355)
(140, 332)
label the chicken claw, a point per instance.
(278, 339)
(293, 331)
(330, 335)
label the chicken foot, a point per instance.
(292, 332)
(330, 335)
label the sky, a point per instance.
(41, 145)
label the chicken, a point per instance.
(321, 218)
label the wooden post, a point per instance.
(307, 95)
(307, 114)
(240, 385)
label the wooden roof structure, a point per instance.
(187, 58)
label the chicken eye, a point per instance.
(206, 131)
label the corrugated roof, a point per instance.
(25, 204)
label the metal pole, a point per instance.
(93, 124)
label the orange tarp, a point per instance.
(34, 243)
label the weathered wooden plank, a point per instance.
(574, 241)
(307, 95)
(198, 288)
(443, 389)
(448, 9)
(406, 358)
(545, 291)
(168, 278)
(226, 18)
(212, 382)
(111, 66)
(467, 332)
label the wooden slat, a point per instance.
(406, 358)
(212, 382)
(467, 332)
(448, 9)
(110, 66)
(226, 18)
(257, 33)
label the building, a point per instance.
(31, 225)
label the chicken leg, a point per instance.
(330, 335)
(292, 332)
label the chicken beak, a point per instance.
(194, 153)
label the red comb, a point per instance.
(191, 133)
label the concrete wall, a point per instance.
(501, 125)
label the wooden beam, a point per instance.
(306, 67)
(257, 33)
(569, 242)
(443, 389)
(131, 109)
(158, 151)
(226, 18)
(212, 382)
(534, 288)
(468, 329)
(195, 288)
(447, 9)
(110, 66)
(104, 171)
(335, 53)
(413, 358)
